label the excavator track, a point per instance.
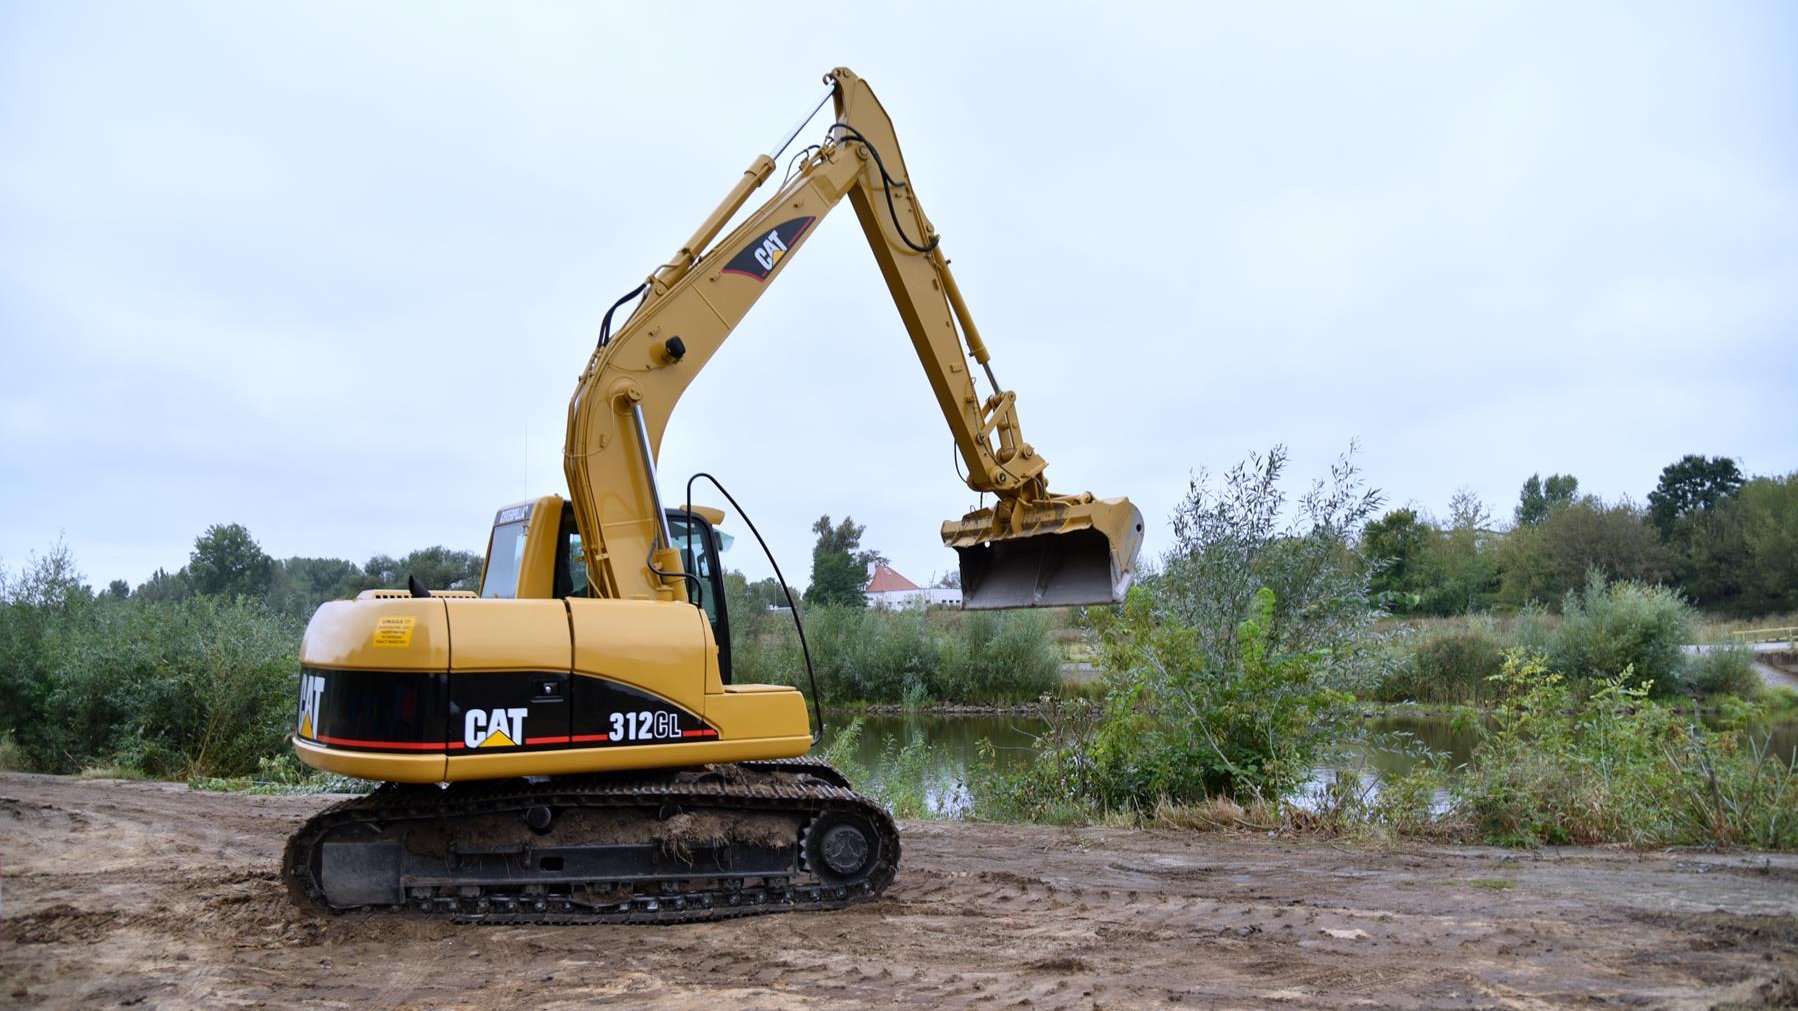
(669, 846)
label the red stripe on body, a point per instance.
(395, 745)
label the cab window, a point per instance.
(571, 562)
(698, 545)
(577, 568)
(505, 553)
(690, 536)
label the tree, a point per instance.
(437, 567)
(301, 584)
(1394, 546)
(1457, 572)
(748, 599)
(1769, 517)
(839, 565)
(118, 589)
(767, 593)
(165, 586)
(442, 568)
(1230, 543)
(1742, 555)
(1425, 569)
(1690, 485)
(1543, 562)
(226, 560)
(1711, 561)
(1539, 497)
(1467, 512)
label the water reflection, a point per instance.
(952, 747)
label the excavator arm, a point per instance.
(1031, 548)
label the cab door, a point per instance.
(699, 546)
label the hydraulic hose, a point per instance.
(787, 591)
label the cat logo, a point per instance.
(759, 259)
(494, 728)
(312, 692)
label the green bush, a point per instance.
(869, 655)
(194, 686)
(1609, 629)
(1228, 673)
(1722, 670)
(1447, 665)
(41, 606)
(1175, 728)
(1618, 767)
(201, 687)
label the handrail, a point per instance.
(1788, 633)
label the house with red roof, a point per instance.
(887, 588)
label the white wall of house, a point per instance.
(925, 596)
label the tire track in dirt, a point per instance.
(139, 892)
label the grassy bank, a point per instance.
(912, 658)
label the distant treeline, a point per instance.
(227, 562)
(191, 673)
(1728, 544)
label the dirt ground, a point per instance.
(150, 895)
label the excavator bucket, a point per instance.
(1069, 551)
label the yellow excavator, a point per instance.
(568, 744)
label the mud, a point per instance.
(151, 895)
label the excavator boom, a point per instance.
(1032, 547)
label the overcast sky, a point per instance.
(331, 270)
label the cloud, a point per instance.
(331, 271)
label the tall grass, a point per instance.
(910, 656)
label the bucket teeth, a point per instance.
(1065, 551)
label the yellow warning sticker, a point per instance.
(395, 632)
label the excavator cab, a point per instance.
(534, 552)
